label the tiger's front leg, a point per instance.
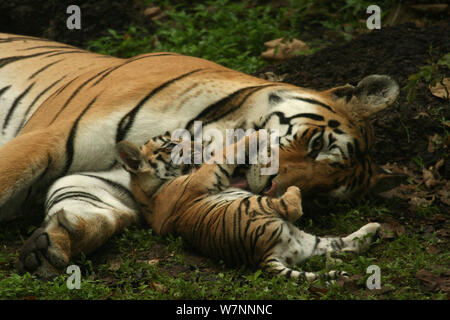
(214, 175)
(30, 160)
(83, 212)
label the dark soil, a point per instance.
(48, 18)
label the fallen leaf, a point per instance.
(432, 282)
(433, 250)
(441, 90)
(318, 290)
(115, 265)
(445, 233)
(421, 201)
(157, 287)
(270, 76)
(444, 194)
(350, 283)
(154, 13)
(282, 49)
(153, 261)
(429, 8)
(428, 178)
(432, 142)
(391, 229)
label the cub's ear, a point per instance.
(130, 156)
(383, 181)
(371, 95)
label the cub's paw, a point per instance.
(361, 240)
(44, 254)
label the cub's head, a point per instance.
(326, 139)
(151, 164)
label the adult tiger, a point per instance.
(63, 109)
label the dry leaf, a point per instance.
(317, 290)
(432, 142)
(157, 287)
(428, 178)
(444, 194)
(433, 282)
(115, 265)
(430, 8)
(153, 261)
(270, 76)
(282, 49)
(421, 202)
(154, 13)
(391, 229)
(441, 91)
(350, 283)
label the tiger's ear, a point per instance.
(130, 156)
(383, 180)
(372, 94)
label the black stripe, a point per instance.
(224, 171)
(316, 243)
(285, 208)
(8, 60)
(312, 101)
(66, 46)
(11, 39)
(79, 196)
(127, 121)
(66, 52)
(4, 89)
(15, 104)
(113, 184)
(53, 194)
(71, 139)
(217, 110)
(43, 68)
(77, 90)
(61, 89)
(287, 120)
(22, 124)
(127, 62)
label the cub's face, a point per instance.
(152, 164)
(326, 140)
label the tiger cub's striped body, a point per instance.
(226, 223)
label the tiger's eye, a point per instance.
(317, 144)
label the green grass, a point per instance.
(232, 33)
(139, 264)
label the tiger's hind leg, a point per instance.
(79, 219)
(296, 246)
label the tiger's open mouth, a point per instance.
(239, 180)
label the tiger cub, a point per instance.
(227, 223)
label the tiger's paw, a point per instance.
(44, 254)
(361, 240)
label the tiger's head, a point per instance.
(326, 139)
(151, 164)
